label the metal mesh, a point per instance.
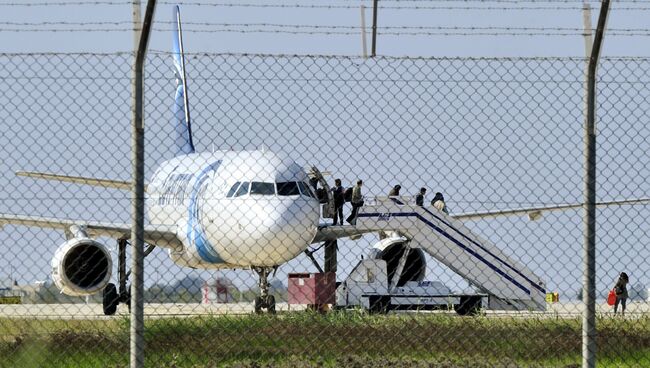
(491, 135)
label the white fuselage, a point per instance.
(234, 209)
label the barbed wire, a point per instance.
(324, 26)
(391, 31)
(508, 1)
(343, 1)
(351, 58)
(347, 6)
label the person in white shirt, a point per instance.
(357, 201)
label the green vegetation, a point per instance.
(350, 338)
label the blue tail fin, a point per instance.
(182, 120)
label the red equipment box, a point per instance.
(312, 288)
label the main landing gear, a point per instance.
(264, 301)
(113, 295)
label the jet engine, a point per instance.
(81, 266)
(391, 250)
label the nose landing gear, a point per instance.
(264, 301)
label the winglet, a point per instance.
(182, 120)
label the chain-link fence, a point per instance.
(467, 281)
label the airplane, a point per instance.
(212, 210)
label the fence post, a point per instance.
(363, 32)
(374, 28)
(137, 188)
(589, 251)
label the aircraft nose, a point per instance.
(285, 228)
(294, 221)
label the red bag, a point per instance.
(611, 298)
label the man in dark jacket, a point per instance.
(419, 198)
(338, 193)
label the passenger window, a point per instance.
(288, 188)
(233, 189)
(262, 188)
(243, 189)
(304, 188)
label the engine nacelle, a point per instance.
(81, 266)
(391, 250)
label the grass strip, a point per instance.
(309, 339)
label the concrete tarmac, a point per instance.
(574, 309)
(153, 310)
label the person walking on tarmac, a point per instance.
(621, 292)
(357, 201)
(338, 194)
(419, 198)
(438, 202)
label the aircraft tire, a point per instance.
(379, 304)
(110, 299)
(271, 304)
(128, 298)
(258, 305)
(469, 306)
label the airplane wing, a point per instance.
(104, 183)
(535, 213)
(163, 236)
(331, 232)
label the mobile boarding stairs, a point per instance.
(504, 282)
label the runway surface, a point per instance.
(94, 311)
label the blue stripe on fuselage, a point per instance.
(195, 232)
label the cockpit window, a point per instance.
(262, 188)
(243, 189)
(233, 189)
(306, 191)
(288, 188)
